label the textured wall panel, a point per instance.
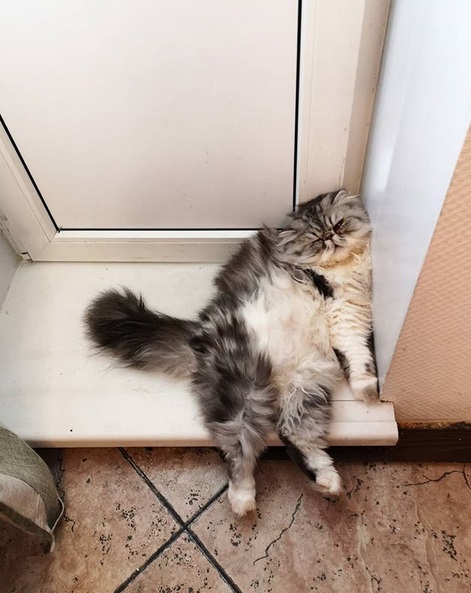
(430, 375)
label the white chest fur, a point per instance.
(288, 321)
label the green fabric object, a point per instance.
(28, 495)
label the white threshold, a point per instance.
(55, 393)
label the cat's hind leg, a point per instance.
(241, 442)
(302, 427)
(237, 396)
(238, 403)
(313, 461)
(241, 462)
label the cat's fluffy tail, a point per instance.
(120, 323)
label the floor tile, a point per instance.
(181, 568)
(188, 478)
(399, 528)
(112, 523)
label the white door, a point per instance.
(155, 129)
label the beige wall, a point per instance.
(429, 378)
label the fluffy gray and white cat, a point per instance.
(291, 314)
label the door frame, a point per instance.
(340, 46)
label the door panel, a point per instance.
(154, 114)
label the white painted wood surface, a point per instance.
(423, 111)
(54, 392)
(341, 51)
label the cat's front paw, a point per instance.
(365, 389)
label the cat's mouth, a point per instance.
(332, 246)
(335, 253)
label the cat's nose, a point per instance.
(328, 235)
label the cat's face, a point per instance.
(326, 229)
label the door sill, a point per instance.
(56, 392)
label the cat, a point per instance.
(292, 314)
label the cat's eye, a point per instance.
(340, 225)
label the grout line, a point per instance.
(152, 487)
(199, 512)
(184, 528)
(212, 560)
(138, 571)
(163, 500)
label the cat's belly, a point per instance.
(288, 322)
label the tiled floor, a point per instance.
(158, 521)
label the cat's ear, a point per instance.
(288, 244)
(342, 196)
(288, 241)
(287, 236)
